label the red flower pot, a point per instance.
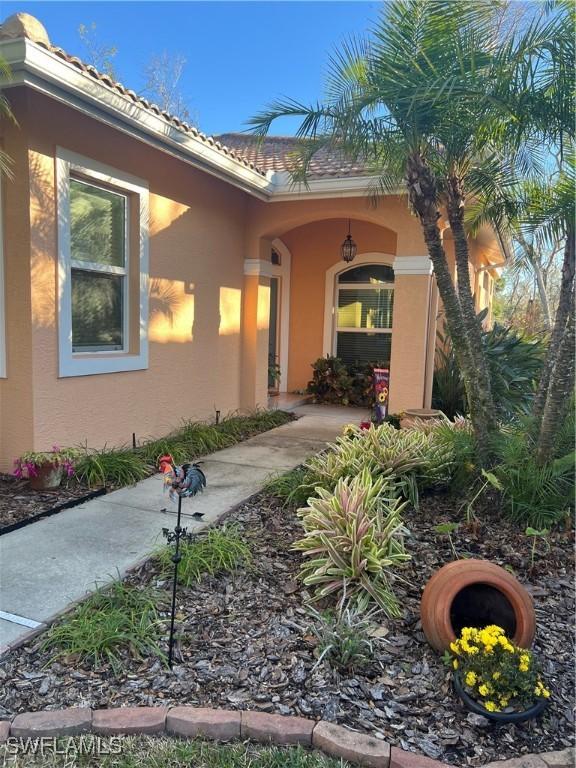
(475, 593)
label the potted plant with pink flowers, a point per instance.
(46, 469)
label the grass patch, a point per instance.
(219, 550)
(126, 466)
(115, 620)
(163, 752)
(293, 487)
(117, 468)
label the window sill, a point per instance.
(88, 365)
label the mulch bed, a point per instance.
(246, 644)
(19, 503)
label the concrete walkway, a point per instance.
(48, 565)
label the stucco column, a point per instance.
(412, 323)
(255, 321)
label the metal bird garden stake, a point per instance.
(184, 481)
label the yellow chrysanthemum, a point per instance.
(496, 676)
(455, 663)
(483, 689)
(491, 706)
(471, 678)
(454, 647)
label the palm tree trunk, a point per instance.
(466, 297)
(424, 201)
(562, 314)
(560, 390)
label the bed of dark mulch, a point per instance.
(246, 644)
(19, 502)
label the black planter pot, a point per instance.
(498, 717)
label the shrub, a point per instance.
(514, 362)
(216, 551)
(384, 450)
(114, 620)
(340, 383)
(533, 494)
(331, 382)
(115, 468)
(344, 636)
(353, 539)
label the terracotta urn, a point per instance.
(419, 414)
(475, 593)
(48, 478)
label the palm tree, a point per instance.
(534, 77)
(377, 109)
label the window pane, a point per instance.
(367, 273)
(97, 224)
(96, 311)
(364, 347)
(365, 308)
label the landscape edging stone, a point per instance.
(226, 724)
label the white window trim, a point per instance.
(338, 286)
(3, 373)
(107, 361)
(331, 296)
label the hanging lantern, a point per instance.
(348, 248)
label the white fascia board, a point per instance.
(45, 72)
(284, 188)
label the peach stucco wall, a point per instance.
(196, 223)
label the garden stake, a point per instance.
(170, 536)
(217, 418)
(134, 440)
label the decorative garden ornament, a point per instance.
(475, 592)
(183, 481)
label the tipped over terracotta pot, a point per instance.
(475, 593)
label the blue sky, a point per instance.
(240, 55)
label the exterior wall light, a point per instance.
(348, 248)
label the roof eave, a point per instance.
(42, 70)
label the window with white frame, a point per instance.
(99, 245)
(103, 268)
(363, 312)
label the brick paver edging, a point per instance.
(226, 724)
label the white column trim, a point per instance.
(412, 265)
(258, 268)
(283, 271)
(332, 273)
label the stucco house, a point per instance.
(148, 271)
